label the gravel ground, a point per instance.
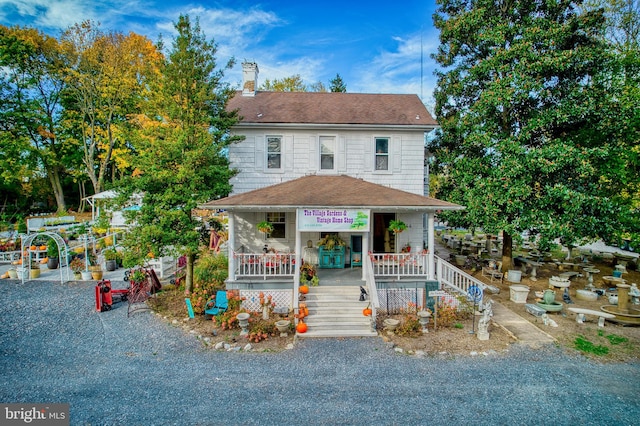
(115, 370)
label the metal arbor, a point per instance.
(63, 252)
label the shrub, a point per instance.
(409, 327)
(211, 268)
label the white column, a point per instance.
(296, 274)
(365, 251)
(431, 244)
(231, 244)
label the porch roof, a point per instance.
(329, 192)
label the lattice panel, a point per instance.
(282, 298)
(397, 300)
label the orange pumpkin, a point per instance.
(32, 248)
(301, 327)
(304, 289)
(367, 312)
(43, 248)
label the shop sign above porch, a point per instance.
(347, 220)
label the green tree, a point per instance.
(293, 83)
(318, 86)
(181, 159)
(30, 111)
(337, 85)
(518, 102)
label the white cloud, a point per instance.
(47, 14)
(399, 70)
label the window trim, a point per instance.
(266, 154)
(268, 216)
(334, 139)
(388, 170)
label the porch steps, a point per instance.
(336, 311)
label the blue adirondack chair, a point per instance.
(220, 305)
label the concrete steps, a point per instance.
(336, 311)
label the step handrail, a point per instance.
(456, 279)
(370, 281)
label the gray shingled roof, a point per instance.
(329, 191)
(332, 108)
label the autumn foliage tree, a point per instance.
(106, 75)
(520, 100)
(31, 84)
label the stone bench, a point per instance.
(581, 312)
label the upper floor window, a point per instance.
(274, 152)
(382, 153)
(327, 152)
(278, 220)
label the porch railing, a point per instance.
(399, 264)
(265, 265)
(454, 278)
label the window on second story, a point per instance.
(274, 152)
(382, 153)
(327, 152)
(278, 220)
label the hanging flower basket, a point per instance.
(265, 227)
(397, 226)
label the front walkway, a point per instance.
(521, 329)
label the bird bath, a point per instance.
(623, 313)
(391, 324)
(243, 320)
(590, 272)
(423, 317)
(611, 280)
(560, 282)
(283, 327)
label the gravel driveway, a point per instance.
(115, 370)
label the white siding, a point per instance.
(354, 157)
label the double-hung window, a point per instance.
(382, 153)
(327, 152)
(278, 220)
(274, 152)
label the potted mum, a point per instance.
(77, 266)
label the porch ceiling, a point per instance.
(329, 192)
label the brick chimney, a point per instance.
(249, 78)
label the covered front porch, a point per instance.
(303, 212)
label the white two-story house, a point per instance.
(315, 163)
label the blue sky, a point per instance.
(375, 46)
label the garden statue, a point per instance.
(483, 324)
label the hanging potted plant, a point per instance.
(265, 227)
(397, 226)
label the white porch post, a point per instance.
(431, 244)
(231, 245)
(296, 273)
(365, 251)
